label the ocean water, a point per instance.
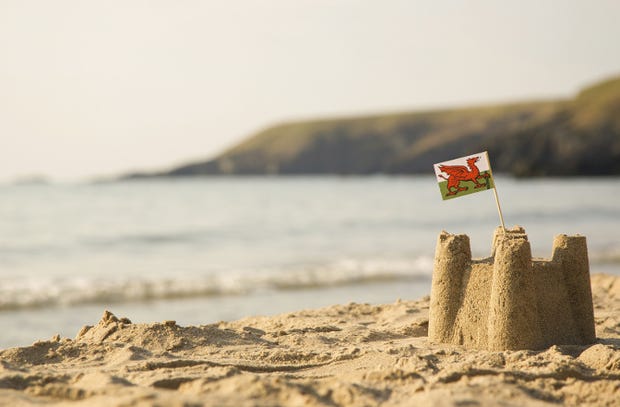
(209, 249)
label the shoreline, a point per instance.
(67, 320)
(353, 354)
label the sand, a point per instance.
(343, 355)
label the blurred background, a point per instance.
(206, 160)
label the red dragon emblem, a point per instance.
(460, 173)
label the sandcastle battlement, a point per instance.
(510, 300)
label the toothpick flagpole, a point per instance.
(499, 208)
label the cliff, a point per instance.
(579, 136)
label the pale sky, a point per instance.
(90, 88)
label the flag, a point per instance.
(464, 176)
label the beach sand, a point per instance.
(343, 355)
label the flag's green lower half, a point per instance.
(487, 183)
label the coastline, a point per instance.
(354, 354)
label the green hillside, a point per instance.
(580, 136)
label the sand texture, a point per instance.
(343, 355)
(510, 301)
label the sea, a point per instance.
(202, 250)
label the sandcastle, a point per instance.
(510, 301)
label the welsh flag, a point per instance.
(464, 175)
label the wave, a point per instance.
(147, 239)
(41, 292)
(554, 213)
(610, 256)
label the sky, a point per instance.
(100, 88)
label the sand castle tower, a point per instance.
(509, 300)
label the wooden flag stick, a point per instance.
(499, 208)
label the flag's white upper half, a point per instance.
(482, 164)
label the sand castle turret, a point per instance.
(509, 300)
